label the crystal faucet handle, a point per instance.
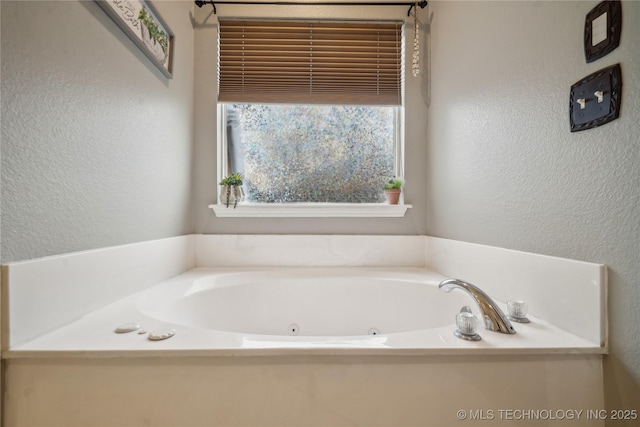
(466, 323)
(518, 311)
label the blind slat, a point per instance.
(268, 61)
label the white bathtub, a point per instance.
(232, 360)
(245, 311)
(307, 302)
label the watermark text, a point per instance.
(546, 414)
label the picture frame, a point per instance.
(602, 29)
(142, 23)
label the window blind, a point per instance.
(265, 61)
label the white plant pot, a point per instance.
(232, 195)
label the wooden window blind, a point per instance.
(303, 62)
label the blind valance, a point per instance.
(266, 61)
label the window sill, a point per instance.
(311, 210)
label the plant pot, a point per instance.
(392, 195)
(235, 195)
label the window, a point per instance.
(312, 153)
(311, 111)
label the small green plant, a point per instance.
(232, 181)
(155, 33)
(393, 183)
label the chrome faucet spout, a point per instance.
(494, 318)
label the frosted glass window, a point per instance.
(312, 153)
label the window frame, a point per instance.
(313, 209)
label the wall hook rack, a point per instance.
(422, 4)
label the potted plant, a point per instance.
(392, 190)
(232, 191)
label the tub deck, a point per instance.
(93, 335)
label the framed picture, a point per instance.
(146, 28)
(602, 29)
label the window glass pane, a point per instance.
(312, 153)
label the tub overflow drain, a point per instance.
(293, 329)
(374, 331)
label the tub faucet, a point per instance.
(494, 319)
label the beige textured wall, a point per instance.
(504, 170)
(96, 143)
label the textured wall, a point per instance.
(504, 169)
(96, 143)
(205, 184)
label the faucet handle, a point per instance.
(518, 311)
(466, 323)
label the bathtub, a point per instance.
(306, 302)
(249, 311)
(258, 343)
